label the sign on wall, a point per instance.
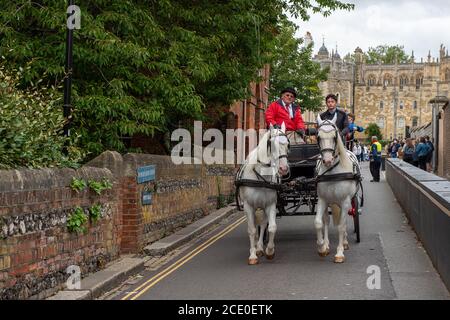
(146, 174)
(146, 198)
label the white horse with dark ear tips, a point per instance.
(266, 163)
(336, 159)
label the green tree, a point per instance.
(145, 67)
(384, 54)
(31, 125)
(373, 130)
(293, 67)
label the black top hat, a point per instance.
(290, 90)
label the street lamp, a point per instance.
(436, 103)
(68, 73)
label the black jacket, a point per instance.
(341, 121)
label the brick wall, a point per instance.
(35, 245)
(181, 194)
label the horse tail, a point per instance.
(336, 211)
(260, 216)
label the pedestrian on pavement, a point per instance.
(430, 153)
(375, 159)
(415, 161)
(408, 151)
(422, 150)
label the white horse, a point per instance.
(336, 159)
(269, 160)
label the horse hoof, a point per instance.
(324, 254)
(259, 253)
(346, 246)
(270, 256)
(339, 259)
(252, 262)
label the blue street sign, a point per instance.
(146, 198)
(145, 174)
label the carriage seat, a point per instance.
(302, 152)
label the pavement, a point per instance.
(208, 260)
(126, 266)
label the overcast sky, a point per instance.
(418, 25)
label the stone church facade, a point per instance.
(396, 96)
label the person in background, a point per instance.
(352, 127)
(415, 161)
(430, 153)
(395, 146)
(422, 150)
(375, 159)
(357, 151)
(408, 151)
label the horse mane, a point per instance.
(259, 153)
(345, 159)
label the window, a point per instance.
(401, 122)
(414, 122)
(403, 81)
(380, 122)
(415, 105)
(419, 81)
(387, 80)
(371, 81)
(447, 74)
(381, 105)
(401, 105)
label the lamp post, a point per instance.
(68, 73)
(436, 104)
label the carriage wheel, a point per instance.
(356, 219)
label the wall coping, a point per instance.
(436, 187)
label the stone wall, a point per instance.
(35, 245)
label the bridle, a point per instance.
(336, 130)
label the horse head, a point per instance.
(327, 138)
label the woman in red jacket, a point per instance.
(285, 110)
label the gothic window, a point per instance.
(380, 122)
(387, 80)
(381, 105)
(401, 105)
(419, 81)
(401, 122)
(403, 81)
(415, 105)
(414, 122)
(371, 81)
(447, 74)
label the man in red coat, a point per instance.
(285, 110)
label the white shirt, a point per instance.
(291, 114)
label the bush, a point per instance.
(31, 124)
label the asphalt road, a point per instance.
(214, 266)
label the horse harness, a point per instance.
(261, 182)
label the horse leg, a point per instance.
(249, 211)
(270, 249)
(342, 226)
(346, 245)
(326, 223)
(322, 207)
(260, 244)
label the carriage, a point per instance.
(297, 195)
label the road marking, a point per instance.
(167, 271)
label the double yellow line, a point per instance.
(164, 273)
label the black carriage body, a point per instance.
(299, 188)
